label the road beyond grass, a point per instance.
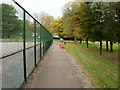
(101, 70)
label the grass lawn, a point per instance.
(16, 40)
(101, 70)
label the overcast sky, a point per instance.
(52, 7)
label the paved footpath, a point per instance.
(57, 70)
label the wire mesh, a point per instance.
(11, 42)
(0, 47)
(42, 42)
(23, 43)
(12, 71)
(29, 43)
(37, 42)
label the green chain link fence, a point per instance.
(24, 42)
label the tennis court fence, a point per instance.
(24, 42)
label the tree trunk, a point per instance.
(75, 39)
(8, 36)
(100, 47)
(80, 40)
(107, 47)
(119, 40)
(87, 42)
(111, 46)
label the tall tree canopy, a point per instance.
(10, 21)
(45, 19)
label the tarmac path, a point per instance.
(57, 70)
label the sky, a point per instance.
(52, 7)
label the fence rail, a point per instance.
(23, 44)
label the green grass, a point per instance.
(9, 40)
(95, 45)
(16, 40)
(101, 70)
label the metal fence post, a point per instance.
(43, 43)
(43, 39)
(40, 42)
(35, 42)
(24, 45)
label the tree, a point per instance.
(86, 21)
(117, 9)
(29, 28)
(57, 27)
(111, 23)
(95, 21)
(45, 19)
(71, 19)
(10, 22)
(98, 30)
(66, 18)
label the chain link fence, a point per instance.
(24, 41)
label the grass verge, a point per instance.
(101, 70)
